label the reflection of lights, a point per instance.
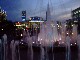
(22, 43)
(75, 43)
(21, 40)
(21, 35)
(33, 42)
(59, 43)
(71, 44)
(38, 40)
(62, 42)
(60, 38)
(41, 39)
(67, 33)
(57, 24)
(24, 29)
(65, 25)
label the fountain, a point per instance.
(68, 54)
(13, 49)
(28, 40)
(5, 46)
(78, 44)
(0, 49)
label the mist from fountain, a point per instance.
(28, 40)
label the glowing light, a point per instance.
(18, 25)
(24, 29)
(36, 21)
(65, 25)
(38, 39)
(26, 26)
(2, 29)
(60, 38)
(59, 43)
(22, 43)
(72, 25)
(67, 33)
(41, 39)
(72, 33)
(71, 44)
(75, 43)
(21, 35)
(21, 40)
(30, 18)
(33, 42)
(57, 24)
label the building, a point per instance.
(23, 15)
(2, 15)
(76, 17)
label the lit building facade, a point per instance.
(2, 15)
(76, 17)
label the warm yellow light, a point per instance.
(72, 33)
(58, 25)
(2, 29)
(72, 25)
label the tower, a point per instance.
(48, 15)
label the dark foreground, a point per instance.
(59, 53)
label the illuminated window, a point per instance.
(76, 11)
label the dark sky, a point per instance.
(60, 9)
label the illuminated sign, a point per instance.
(36, 19)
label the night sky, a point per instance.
(60, 9)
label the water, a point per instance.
(45, 49)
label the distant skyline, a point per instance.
(60, 9)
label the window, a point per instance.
(76, 11)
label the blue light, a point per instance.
(38, 18)
(23, 19)
(33, 18)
